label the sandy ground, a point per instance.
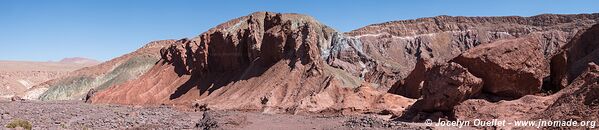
(79, 115)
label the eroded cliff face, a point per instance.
(396, 46)
(264, 61)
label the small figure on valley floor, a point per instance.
(16, 98)
(208, 121)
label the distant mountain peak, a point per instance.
(79, 60)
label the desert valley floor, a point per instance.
(80, 115)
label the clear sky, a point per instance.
(103, 29)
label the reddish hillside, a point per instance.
(264, 61)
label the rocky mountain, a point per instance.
(75, 85)
(269, 62)
(516, 68)
(260, 61)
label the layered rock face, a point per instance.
(76, 85)
(280, 63)
(395, 46)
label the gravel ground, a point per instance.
(79, 115)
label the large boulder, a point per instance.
(446, 86)
(411, 86)
(569, 103)
(510, 68)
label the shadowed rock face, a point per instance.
(446, 86)
(571, 62)
(579, 101)
(264, 61)
(411, 86)
(395, 46)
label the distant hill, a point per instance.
(80, 60)
(18, 76)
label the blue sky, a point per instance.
(103, 29)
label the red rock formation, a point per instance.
(395, 46)
(290, 63)
(579, 101)
(412, 85)
(571, 62)
(264, 61)
(509, 68)
(574, 102)
(446, 86)
(336, 99)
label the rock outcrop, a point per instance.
(446, 86)
(575, 99)
(411, 86)
(579, 101)
(571, 62)
(396, 46)
(509, 68)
